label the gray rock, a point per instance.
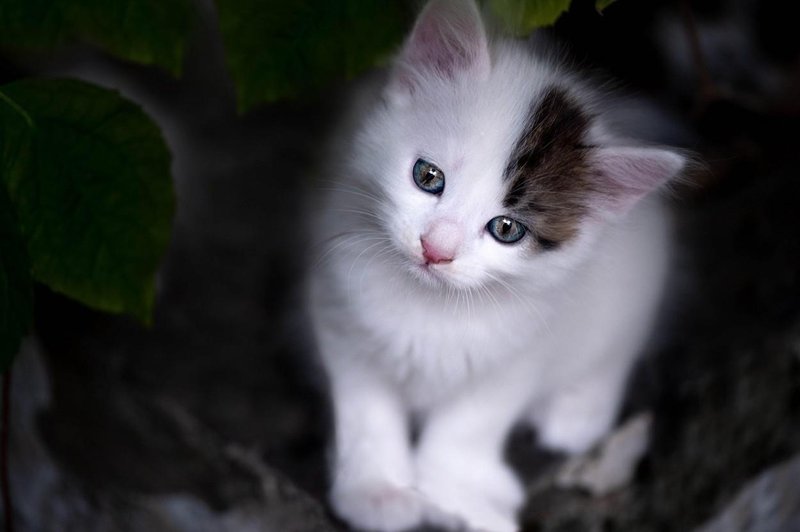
(612, 465)
(769, 503)
(48, 497)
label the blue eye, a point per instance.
(505, 229)
(428, 177)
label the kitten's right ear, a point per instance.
(448, 39)
(627, 174)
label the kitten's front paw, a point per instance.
(377, 506)
(474, 495)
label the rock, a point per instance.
(49, 497)
(612, 465)
(769, 503)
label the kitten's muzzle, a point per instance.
(434, 254)
(441, 241)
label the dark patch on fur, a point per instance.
(548, 170)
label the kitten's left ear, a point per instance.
(448, 39)
(625, 175)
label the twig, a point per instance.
(4, 430)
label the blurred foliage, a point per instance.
(92, 192)
(87, 173)
(521, 17)
(277, 49)
(602, 4)
(86, 200)
(150, 32)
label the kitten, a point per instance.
(491, 253)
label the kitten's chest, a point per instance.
(430, 346)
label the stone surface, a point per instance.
(612, 465)
(48, 497)
(769, 503)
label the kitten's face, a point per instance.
(451, 145)
(442, 162)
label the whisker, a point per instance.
(353, 265)
(356, 191)
(351, 240)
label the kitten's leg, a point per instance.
(460, 466)
(373, 475)
(576, 417)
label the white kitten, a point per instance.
(487, 256)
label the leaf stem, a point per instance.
(15, 106)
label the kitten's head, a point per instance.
(491, 162)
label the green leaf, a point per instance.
(16, 295)
(277, 49)
(93, 193)
(523, 16)
(150, 32)
(600, 5)
(37, 24)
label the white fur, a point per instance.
(498, 335)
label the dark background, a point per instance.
(215, 418)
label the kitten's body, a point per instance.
(432, 342)
(545, 329)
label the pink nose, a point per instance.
(434, 255)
